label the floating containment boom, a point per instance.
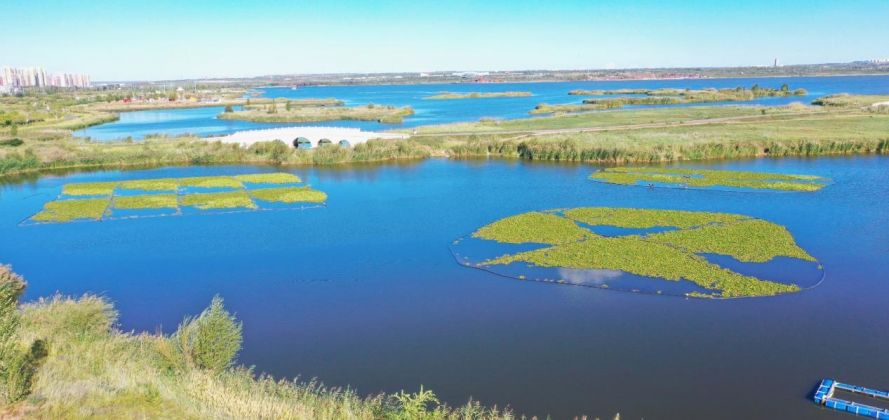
(825, 396)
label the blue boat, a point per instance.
(824, 395)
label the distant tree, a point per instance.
(228, 109)
(248, 102)
(287, 106)
(785, 88)
(173, 96)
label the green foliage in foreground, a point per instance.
(210, 341)
(19, 360)
(290, 195)
(92, 370)
(710, 178)
(220, 200)
(478, 95)
(671, 255)
(272, 178)
(154, 201)
(68, 210)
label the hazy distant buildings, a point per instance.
(19, 78)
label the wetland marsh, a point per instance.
(334, 292)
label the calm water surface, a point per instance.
(365, 292)
(203, 121)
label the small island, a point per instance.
(284, 113)
(477, 95)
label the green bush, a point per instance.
(12, 142)
(212, 340)
(17, 365)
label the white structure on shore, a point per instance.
(313, 134)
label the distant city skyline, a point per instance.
(36, 76)
(165, 39)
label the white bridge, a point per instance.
(313, 134)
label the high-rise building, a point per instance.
(15, 78)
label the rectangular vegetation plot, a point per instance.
(220, 200)
(155, 201)
(275, 178)
(710, 178)
(162, 184)
(69, 210)
(210, 182)
(289, 195)
(166, 196)
(89, 188)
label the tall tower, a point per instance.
(776, 62)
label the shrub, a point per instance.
(228, 109)
(17, 365)
(212, 340)
(11, 142)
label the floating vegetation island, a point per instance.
(709, 178)
(169, 196)
(564, 245)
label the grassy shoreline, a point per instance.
(610, 137)
(64, 357)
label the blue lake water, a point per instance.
(366, 293)
(203, 121)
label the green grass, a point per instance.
(210, 182)
(94, 370)
(671, 96)
(273, 178)
(68, 210)
(671, 255)
(157, 201)
(534, 227)
(710, 178)
(477, 95)
(221, 200)
(289, 195)
(89, 188)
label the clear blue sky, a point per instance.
(161, 39)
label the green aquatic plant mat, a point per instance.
(709, 178)
(155, 201)
(661, 247)
(210, 182)
(219, 200)
(275, 178)
(289, 195)
(133, 199)
(89, 188)
(534, 227)
(70, 210)
(162, 184)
